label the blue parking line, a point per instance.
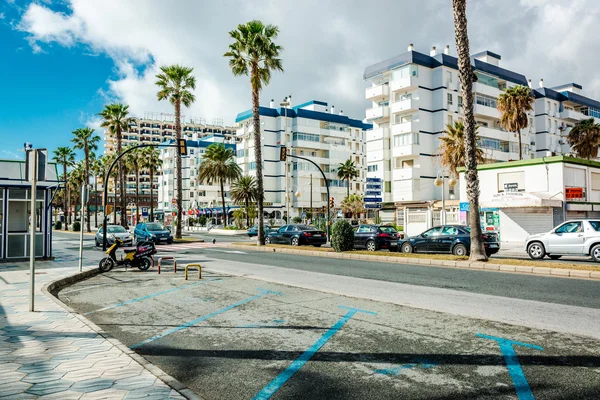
(514, 366)
(299, 362)
(124, 303)
(204, 318)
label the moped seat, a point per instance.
(130, 250)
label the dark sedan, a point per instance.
(297, 235)
(453, 239)
(375, 237)
(253, 231)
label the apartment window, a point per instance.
(549, 123)
(402, 97)
(487, 80)
(449, 96)
(486, 143)
(449, 122)
(373, 168)
(406, 71)
(400, 119)
(460, 101)
(388, 187)
(202, 193)
(449, 76)
(240, 153)
(487, 101)
(309, 137)
(548, 105)
(406, 139)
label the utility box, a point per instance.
(42, 160)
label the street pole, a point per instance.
(311, 210)
(32, 226)
(84, 194)
(443, 215)
(287, 166)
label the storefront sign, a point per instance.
(574, 193)
(513, 199)
(511, 187)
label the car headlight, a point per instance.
(112, 236)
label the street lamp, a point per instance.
(441, 181)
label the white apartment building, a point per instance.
(157, 128)
(312, 130)
(197, 195)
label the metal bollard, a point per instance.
(193, 265)
(168, 258)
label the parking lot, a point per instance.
(235, 338)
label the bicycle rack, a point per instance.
(168, 258)
(194, 266)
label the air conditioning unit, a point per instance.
(532, 143)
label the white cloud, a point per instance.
(327, 45)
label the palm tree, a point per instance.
(346, 171)
(584, 138)
(176, 84)
(86, 140)
(243, 191)
(66, 157)
(255, 53)
(152, 162)
(514, 104)
(106, 161)
(219, 164)
(466, 76)
(452, 148)
(354, 204)
(134, 161)
(116, 120)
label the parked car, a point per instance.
(375, 237)
(152, 231)
(453, 239)
(297, 235)
(578, 238)
(112, 232)
(253, 231)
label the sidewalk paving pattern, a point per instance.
(51, 353)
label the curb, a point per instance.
(474, 265)
(50, 288)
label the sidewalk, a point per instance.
(55, 353)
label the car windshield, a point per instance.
(387, 229)
(305, 228)
(595, 225)
(115, 229)
(155, 227)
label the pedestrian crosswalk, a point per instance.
(185, 246)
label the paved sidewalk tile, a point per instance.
(51, 354)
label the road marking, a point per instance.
(204, 317)
(137, 300)
(514, 366)
(299, 362)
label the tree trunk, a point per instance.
(178, 168)
(520, 146)
(247, 215)
(115, 203)
(152, 193)
(122, 199)
(86, 181)
(223, 201)
(96, 200)
(66, 199)
(466, 75)
(137, 195)
(258, 154)
(348, 188)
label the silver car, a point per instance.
(576, 237)
(112, 232)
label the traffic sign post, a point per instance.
(373, 191)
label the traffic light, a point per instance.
(282, 153)
(182, 145)
(331, 202)
(324, 209)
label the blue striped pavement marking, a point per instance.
(124, 303)
(299, 362)
(204, 317)
(514, 366)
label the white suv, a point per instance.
(577, 237)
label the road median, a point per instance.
(557, 269)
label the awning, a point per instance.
(520, 200)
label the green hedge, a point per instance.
(342, 236)
(76, 226)
(58, 225)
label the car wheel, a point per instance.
(536, 250)
(407, 248)
(97, 242)
(371, 245)
(595, 253)
(267, 240)
(554, 256)
(460, 250)
(295, 242)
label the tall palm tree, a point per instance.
(219, 164)
(452, 148)
(584, 138)
(176, 83)
(116, 120)
(346, 171)
(134, 161)
(466, 77)
(75, 179)
(107, 160)
(243, 191)
(255, 53)
(86, 140)
(514, 104)
(152, 162)
(354, 204)
(65, 156)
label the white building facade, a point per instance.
(312, 130)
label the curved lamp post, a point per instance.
(441, 181)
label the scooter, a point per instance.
(136, 257)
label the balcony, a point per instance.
(378, 113)
(377, 134)
(484, 131)
(572, 115)
(406, 151)
(377, 93)
(488, 90)
(486, 111)
(405, 127)
(403, 174)
(405, 84)
(405, 106)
